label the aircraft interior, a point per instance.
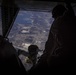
(22, 23)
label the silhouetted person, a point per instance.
(59, 48)
(31, 56)
(33, 51)
(9, 61)
(61, 32)
(52, 41)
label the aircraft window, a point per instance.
(30, 27)
(0, 23)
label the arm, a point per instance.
(23, 52)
